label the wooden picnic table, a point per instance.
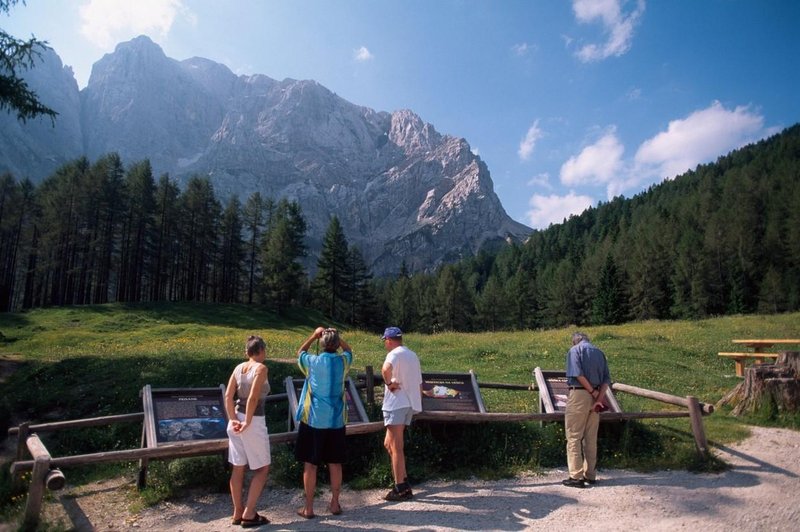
(758, 354)
(759, 345)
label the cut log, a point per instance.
(768, 387)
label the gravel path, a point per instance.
(758, 493)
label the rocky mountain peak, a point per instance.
(410, 133)
(402, 190)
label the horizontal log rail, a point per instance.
(80, 423)
(174, 450)
(197, 448)
(660, 396)
(361, 383)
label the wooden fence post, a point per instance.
(370, 385)
(141, 479)
(41, 468)
(696, 418)
(22, 438)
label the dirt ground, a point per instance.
(758, 493)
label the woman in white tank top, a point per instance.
(248, 440)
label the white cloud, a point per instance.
(698, 138)
(617, 25)
(553, 209)
(527, 144)
(541, 180)
(363, 54)
(598, 163)
(107, 22)
(701, 137)
(521, 49)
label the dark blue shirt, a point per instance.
(587, 360)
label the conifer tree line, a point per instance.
(95, 233)
(722, 239)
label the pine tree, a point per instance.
(561, 308)
(199, 228)
(254, 217)
(232, 253)
(523, 304)
(362, 311)
(167, 252)
(137, 233)
(454, 306)
(402, 303)
(330, 288)
(492, 305)
(609, 302)
(17, 55)
(283, 276)
(15, 212)
(107, 192)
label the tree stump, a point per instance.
(768, 387)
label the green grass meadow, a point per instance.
(92, 361)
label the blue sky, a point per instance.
(569, 103)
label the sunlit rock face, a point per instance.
(402, 191)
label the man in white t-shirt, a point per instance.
(402, 399)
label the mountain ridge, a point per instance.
(403, 191)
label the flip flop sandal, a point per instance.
(337, 512)
(302, 513)
(258, 520)
(236, 522)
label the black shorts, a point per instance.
(317, 446)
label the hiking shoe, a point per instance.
(574, 483)
(395, 495)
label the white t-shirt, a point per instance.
(406, 371)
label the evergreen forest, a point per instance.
(721, 239)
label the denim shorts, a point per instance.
(401, 416)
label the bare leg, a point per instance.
(237, 483)
(336, 486)
(254, 492)
(395, 446)
(310, 484)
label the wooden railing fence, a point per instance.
(46, 473)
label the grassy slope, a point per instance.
(89, 361)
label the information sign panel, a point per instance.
(451, 392)
(554, 391)
(188, 414)
(356, 413)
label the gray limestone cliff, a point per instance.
(402, 191)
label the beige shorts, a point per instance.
(251, 447)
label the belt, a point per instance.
(582, 388)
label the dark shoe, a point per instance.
(257, 520)
(590, 481)
(395, 495)
(574, 483)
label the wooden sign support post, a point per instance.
(42, 477)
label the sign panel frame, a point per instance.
(356, 413)
(554, 390)
(451, 392)
(173, 415)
